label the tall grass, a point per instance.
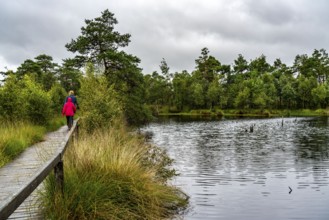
(15, 137)
(113, 174)
(56, 122)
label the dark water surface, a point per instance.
(232, 173)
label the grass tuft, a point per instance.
(113, 174)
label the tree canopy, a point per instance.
(101, 45)
(254, 84)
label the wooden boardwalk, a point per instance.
(15, 175)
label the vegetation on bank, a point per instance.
(113, 174)
(167, 111)
(247, 85)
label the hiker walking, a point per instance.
(73, 98)
(69, 110)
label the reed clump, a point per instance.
(114, 174)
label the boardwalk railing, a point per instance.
(11, 202)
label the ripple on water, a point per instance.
(231, 173)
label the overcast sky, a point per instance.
(176, 30)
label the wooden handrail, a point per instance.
(13, 202)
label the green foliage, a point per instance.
(197, 95)
(57, 95)
(42, 70)
(98, 101)
(98, 42)
(24, 100)
(319, 95)
(246, 85)
(214, 93)
(241, 101)
(11, 101)
(37, 103)
(70, 75)
(181, 87)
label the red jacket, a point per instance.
(68, 108)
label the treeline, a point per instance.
(37, 89)
(253, 84)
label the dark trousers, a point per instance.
(69, 121)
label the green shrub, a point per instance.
(98, 102)
(11, 101)
(37, 103)
(22, 100)
(57, 95)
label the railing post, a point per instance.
(59, 176)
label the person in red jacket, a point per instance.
(69, 110)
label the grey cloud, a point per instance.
(170, 29)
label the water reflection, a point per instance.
(233, 172)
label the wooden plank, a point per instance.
(22, 176)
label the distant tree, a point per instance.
(165, 70)
(49, 70)
(181, 88)
(214, 93)
(240, 65)
(320, 63)
(167, 89)
(288, 95)
(156, 85)
(198, 95)
(319, 95)
(269, 89)
(29, 67)
(304, 90)
(42, 69)
(259, 65)
(70, 75)
(208, 66)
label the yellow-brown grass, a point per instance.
(109, 175)
(15, 137)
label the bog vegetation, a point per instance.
(112, 173)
